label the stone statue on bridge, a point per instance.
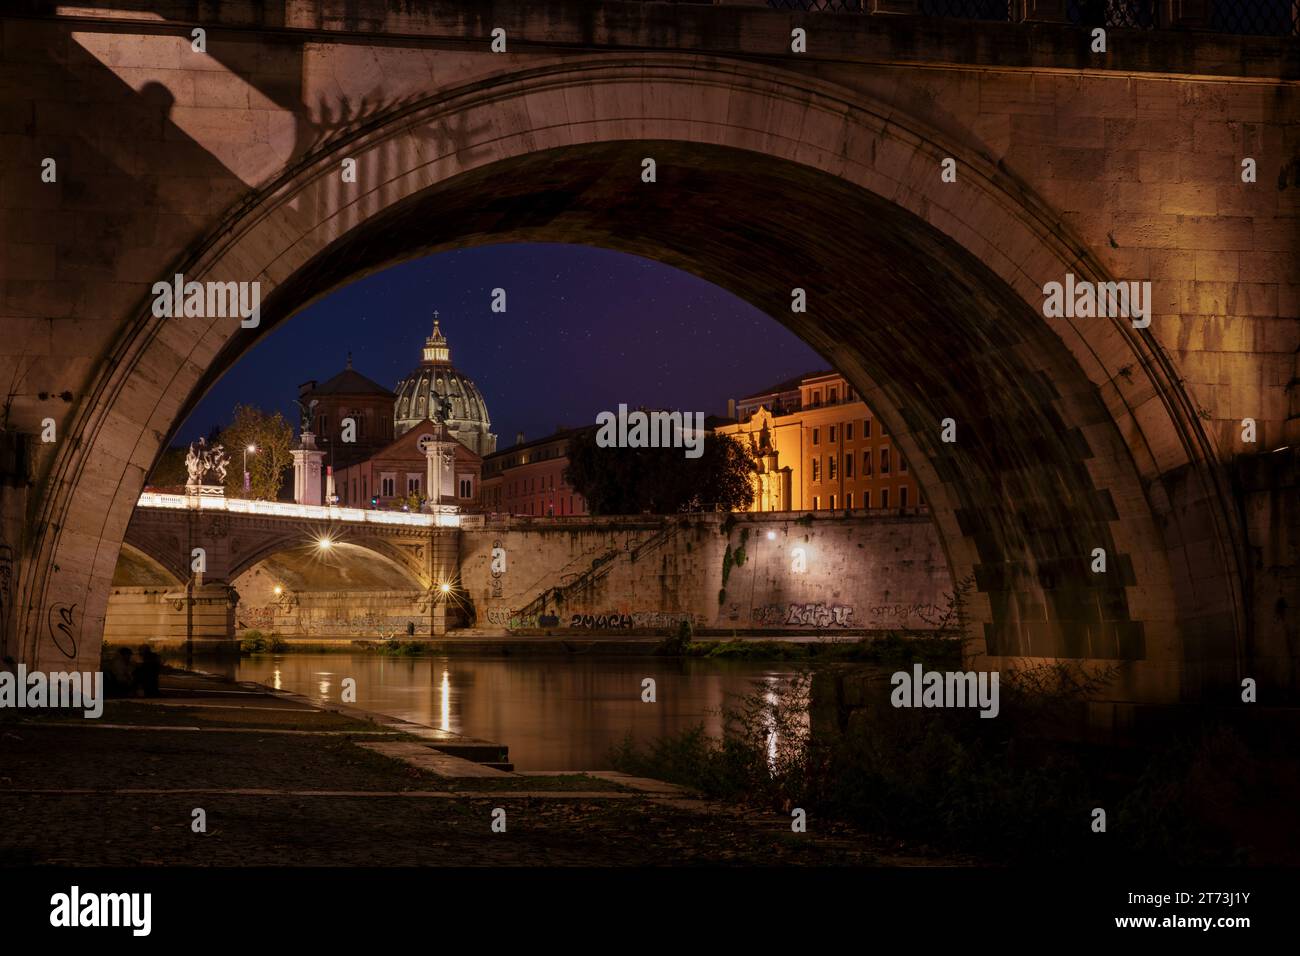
(305, 412)
(203, 458)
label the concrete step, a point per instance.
(434, 761)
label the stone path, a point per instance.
(281, 781)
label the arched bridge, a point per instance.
(203, 546)
(222, 538)
(921, 179)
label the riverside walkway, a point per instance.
(283, 782)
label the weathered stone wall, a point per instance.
(168, 617)
(871, 573)
(329, 614)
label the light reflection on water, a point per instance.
(554, 713)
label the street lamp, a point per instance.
(248, 449)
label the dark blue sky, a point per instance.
(584, 330)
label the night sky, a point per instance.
(584, 330)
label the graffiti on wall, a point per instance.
(803, 615)
(513, 620)
(497, 572)
(60, 625)
(254, 617)
(930, 614)
(671, 619)
(613, 621)
(342, 623)
(618, 620)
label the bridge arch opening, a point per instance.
(924, 294)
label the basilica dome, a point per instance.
(440, 392)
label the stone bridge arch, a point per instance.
(1073, 434)
(405, 561)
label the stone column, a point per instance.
(432, 484)
(307, 460)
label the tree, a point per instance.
(272, 436)
(660, 480)
(170, 470)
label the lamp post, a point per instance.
(247, 450)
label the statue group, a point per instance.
(203, 459)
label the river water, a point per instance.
(554, 713)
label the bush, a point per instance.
(679, 644)
(259, 642)
(1010, 789)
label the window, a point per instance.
(902, 496)
(322, 422)
(831, 437)
(816, 399)
(816, 469)
(848, 465)
(467, 488)
(866, 428)
(816, 503)
(848, 431)
(866, 499)
(902, 464)
(387, 485)
(831, 469)
(884, 461)
(866, 463)
(412, 484)
(831, 398)
(817, 434)
(832, 502)
(848, 501)
(884, 497)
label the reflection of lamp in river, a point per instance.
(446, 702)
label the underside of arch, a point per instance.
(915, 293)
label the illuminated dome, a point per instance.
(438, 391)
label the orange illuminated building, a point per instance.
(829, 453)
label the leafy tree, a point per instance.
(660, 480)
(170, 471)
(272, 436)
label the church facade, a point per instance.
(422, 443)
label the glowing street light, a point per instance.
(445, 588)
(324, 544)
(248, 450)
(771, 536)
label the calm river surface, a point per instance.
(554, 713)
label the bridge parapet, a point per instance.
(443, 517)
